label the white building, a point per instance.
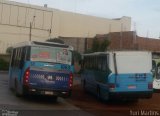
(15, 20)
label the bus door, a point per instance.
(156, 75)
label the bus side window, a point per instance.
(95, 62)
(16, 57)
(85, 63)
(104, 60)
(89, 64)
(13, 58)
(19, 57)
(28, 50)
(105, 63)
(22, 58)
(99, 62)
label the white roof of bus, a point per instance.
(33, 43)
(108, 52)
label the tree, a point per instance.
(99, 46)
(9, 50)
(76, 56)
(95, 45)
(104, 45)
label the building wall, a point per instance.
(128, 41)
(148, 44)
(77, 43)
(15, 19)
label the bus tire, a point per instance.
(98, 93)
(16, 89)
(84, 86)
(10, 86)
(68, 95)
(54, 98)
(134, 100)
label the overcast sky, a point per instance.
(145, 14)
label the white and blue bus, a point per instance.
(41, 68)
(118, 75)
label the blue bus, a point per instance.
(123, 75)
(41, 68)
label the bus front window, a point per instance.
(51, 54)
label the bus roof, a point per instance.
(37, 43)
(95, 53)
(108, 52)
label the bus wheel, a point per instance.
(134, 100)
(84, 86)
(10, 86)
(54, 98)
(16, 89)
(68, 95)
(98, 93)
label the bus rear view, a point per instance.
(44, 69)
(131, 76)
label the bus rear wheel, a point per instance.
(16, 89)
(54, 98)
(98, 93)
(84, 86)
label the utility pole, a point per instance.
(30, 29)
(30, 32)
(50, 33)
(121, 37)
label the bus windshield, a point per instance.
(51, 54)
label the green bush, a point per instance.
(9, 50)
(99, 46)
(4, 65)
